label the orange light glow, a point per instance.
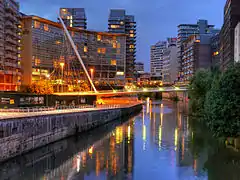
(90, 150)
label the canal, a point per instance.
(162, 142)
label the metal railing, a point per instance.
(58, 108)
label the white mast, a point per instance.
(76, 52)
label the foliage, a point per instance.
(199, 86)
(219, 101)
(41, 87)
(81, 87)
(223, 103)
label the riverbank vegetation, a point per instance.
(215, 100)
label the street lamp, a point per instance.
(91, 71)
(62, 66)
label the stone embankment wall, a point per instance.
(18, 136)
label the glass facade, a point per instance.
(52, 54)
(119, 22)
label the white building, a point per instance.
(170, 64)
(157, 51)
(237, 44)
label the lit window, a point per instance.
(197, 41)
(19, 55)
(85, 49)
(114, 45)
(122, 23)
(131, 35)
(131, 31)
(68, 17)
(131, 46)
(19, 26)
(216, 53)
(45, 27)
(19, 48)
(113, 62)
(118, 45)
(37, 62)
(36, 24)
(120, 73)
(114, 26)
(64, 10)
(101, 50)
(19, 41)
(19, 63)
(99, 37)
(58, 42)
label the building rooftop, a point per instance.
(56, 24)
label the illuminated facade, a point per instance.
(74, 17)
(119, 22)
(10, 39)
(47, 54)
(196, 54)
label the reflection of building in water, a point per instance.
(113, 157)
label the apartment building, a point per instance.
(48, 54)
(196, 54)
(10, 40)
(74, 17)
(120, 22)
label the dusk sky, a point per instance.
(156, 19)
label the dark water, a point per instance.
(160, 143)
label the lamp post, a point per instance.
(91, 71)
(62, 66)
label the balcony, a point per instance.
(8, 23)
(10, 40)
(10, 32)
(10, 16)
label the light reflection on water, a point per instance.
(159, 143)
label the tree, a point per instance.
(200, 84)
(41, 87)
(82, 86)
(222, 105)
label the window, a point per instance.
(198, 41)
(101, 50)
(114, 45)
(131, 46)
(85, 49)
(45, 27)
(114, 26)
(37, 62)
(131, 35)
(99, 37)
(131, 31)
(122, 23)
(113, 62)
(36, 24)
(118, 45)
